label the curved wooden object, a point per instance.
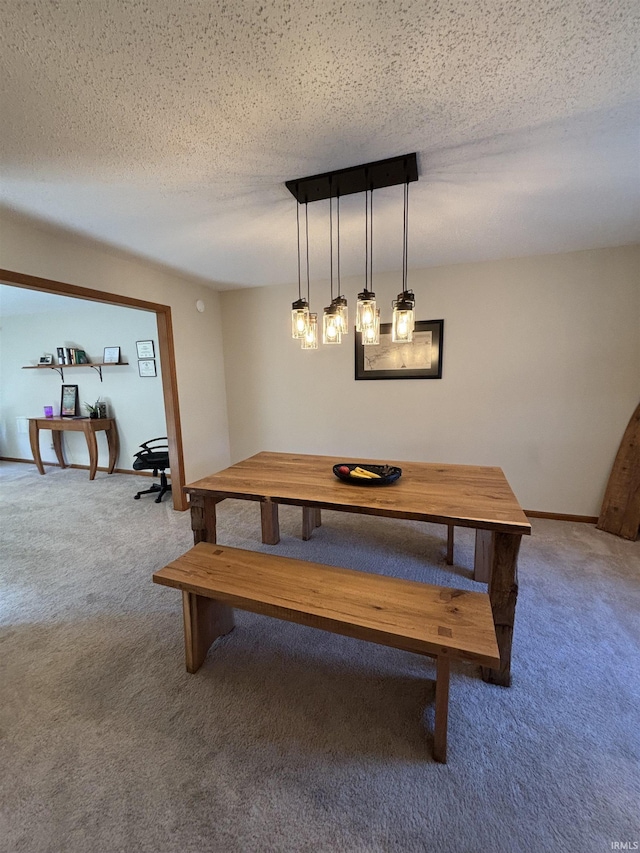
(620, 513)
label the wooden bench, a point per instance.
(428, 620)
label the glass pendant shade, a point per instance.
(365, 310)
(340, 304)
(371, 333)
(299, 318)
(403, 322)
(331, 326)
(310, 339)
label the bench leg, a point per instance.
(450, 529)
(442, 709)
(205, 619)
(310, 520)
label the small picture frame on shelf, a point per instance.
(147, 367)
(145, 349)
(46, 358)
(111, 355)
(69, 403)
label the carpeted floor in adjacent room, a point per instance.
(290, 739)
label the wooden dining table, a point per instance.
(477, 497)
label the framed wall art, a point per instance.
(420, 359)
(147, 367)
(145, 349)
(111, 355)
(69, 404)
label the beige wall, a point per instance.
(541, 375)
(30, 248)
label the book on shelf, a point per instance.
(62, 359)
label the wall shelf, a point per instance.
(97, 366)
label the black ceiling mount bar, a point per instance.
(357, 179)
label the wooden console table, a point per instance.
(89, 426)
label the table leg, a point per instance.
(205, 619)
(450, 529)
(503, 592)
(113, 444)
(317, 519)
(34, 439)
(92, 446)
(483, 556)
(310, 520)
(56, 437)
(203, 518)
(270, 522)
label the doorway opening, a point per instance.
(167, 358)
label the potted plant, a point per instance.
(94, 410)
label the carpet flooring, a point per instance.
(288, 738)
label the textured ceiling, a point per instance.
(169, 128)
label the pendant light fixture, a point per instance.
(331, 321)
(340, 301)
(357, 179)
(300, 308)
(310, 338)
(403, 322)
(367, 312)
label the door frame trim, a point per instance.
(165, 347)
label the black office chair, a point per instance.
(154, 456)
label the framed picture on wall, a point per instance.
(145, 349)
(147, 367)
(420, 359)
(69, 401)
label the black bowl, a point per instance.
(387, 474)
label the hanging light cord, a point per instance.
(371, 241)
(366, 240)
(338, 258)
(405, 242)
(298, 230)
(306, 216)
(331, 239)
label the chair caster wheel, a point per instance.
(136, 497)
(158, 500)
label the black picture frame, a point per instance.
(69, 402)
(388, 355)
(147, 367)
(111, 355)
(145, 349)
